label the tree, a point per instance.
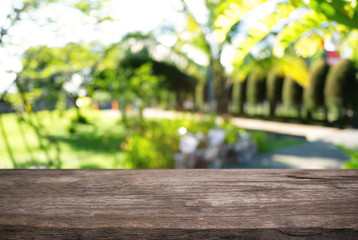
(213, 49)
(174, 80)
(256, 87)
(292, 94)
(57, 70)
(239, 96)
(144, 85)
(317, 20)
(274, 90)
(314, 94)
(341, 87)
(12, 18)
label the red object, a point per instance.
(332, 57)
(115, 105)
(95, 106)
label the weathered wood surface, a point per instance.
(178, 204)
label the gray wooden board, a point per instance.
(179, 204)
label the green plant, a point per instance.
(268, 142)
(239, 96)
(256, 87)
(292, 93)
(341, 86)
(260, 138)
(353, 154)
(314, 94)
(231, 132)
(91, 165)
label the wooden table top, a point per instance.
(179, 204)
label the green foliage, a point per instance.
(256, 35)
(153, 144)
(43, 62)
(342, 11)
(314, 94)
(341, 86)
(267, 142)
(242, 96)
(310, 21)
(54, 70)
(144, 84)
(261, 139)
(228, 13)
(80, 118)
(232, 132)
(239, 95)
(353, 154)
(291, 92)
(256, 87)
(91, 165)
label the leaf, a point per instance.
(230, 14)
(293, 31)
(341, 11)
(308, 46)
(258, 34)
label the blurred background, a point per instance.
(178, 84)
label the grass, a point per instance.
(91, 145)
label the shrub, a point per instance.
(239, 96)
(314, 94)
(256, 87)
(242, 96)
(274, 90)
(291, 93)
(341, 86)
(155, 141)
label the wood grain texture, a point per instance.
(178, 204)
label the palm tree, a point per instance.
(212, 47)
(303, 31)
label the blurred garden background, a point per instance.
(178, 84)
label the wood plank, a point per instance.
(178, 204)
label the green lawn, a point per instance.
(92, 145)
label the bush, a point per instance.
(239, 96)
(155, 141)
(274, 90)
(314, 94)
(256, 87)
(341, 86)
(242, 96)
(292, 93)
(353, 154)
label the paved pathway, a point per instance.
(312, 155)
(345, 137)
